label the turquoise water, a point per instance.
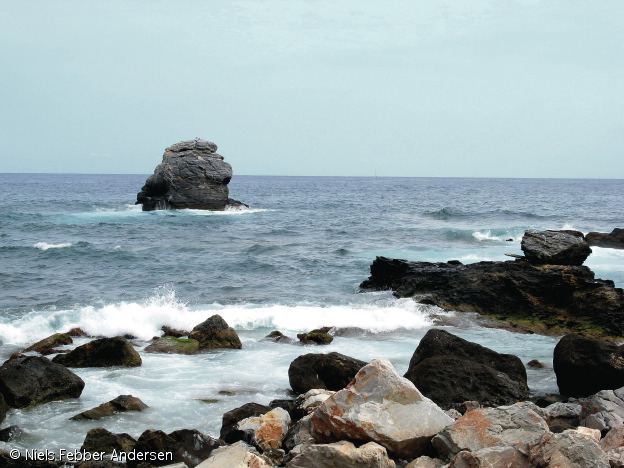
(75, 251)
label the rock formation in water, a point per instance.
(613, 240)
(191, 175)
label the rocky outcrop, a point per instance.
(342, 454)
(214, 333)
(32, 381)
(584, 366)
(105, 352)
(121, 404)
(380, 406)
(172, 345)
(554, 247)
(331, 371)
(613, 240)
(451, 370)
(238, 455)
(538, 297)
(319, 336)
(47, 345)
(229, 431)
(267, 431)
(191, 175)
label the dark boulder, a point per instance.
(542, 298)
(4, 408)
(554, 247)
(195, 446)
(153, 442)
(191, 175)
(584, 366)
(168, 331)
(215, 333)
(331, 371)
(7, 461)
(613, 240)
(105, 352)
(229, 432)
(102, 440)
(451, 370)
(47, 345)
(278, 337)
(10, 433)
(318, 336)
(172, 345)
(121, 404)
(32, 381)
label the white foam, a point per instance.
(45, 246)
(471, 258)
(227, 212)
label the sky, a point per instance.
(429, 88)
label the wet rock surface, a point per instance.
(104, 352)
(121, 404)
(554, 247)
(332, 371)
(214, 333)
(613, 240)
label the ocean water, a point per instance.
(76, 252)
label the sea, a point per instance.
(76, 252)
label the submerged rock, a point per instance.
(32, 381)
(121, 404)
(613, 240)
(319, 336)
(191, 175)
(214, 333)
(105, 352)
(331, 371)
(451, 370)
(380, 406)
(172, 345)
(584, 366)
(539, 297)
(554, 247)
(47, 345)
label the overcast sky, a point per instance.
(479, 88)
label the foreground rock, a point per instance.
(105, 352)
(613, 240)
(102, 440)
(191, 175)
(570, 449)
(214, 333)
(32, 381)
(331, 371)
(539, 297)
(603, 411)
(229, 430)
(173, 345)
(451, 370)
(238, 455)
(121, 404)
(554, 247)
(47, 345)
(342, 454)
(267, 431)
(585, 366)
(380, 406)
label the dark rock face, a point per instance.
(102, 440)
(47, 345)
(614, 240)
(9, 433)
(195, 446)
(229, 433)
(554, 248)
(319, 336)
(191, 175)
(121, 404)
(544, 296)
(7, 461)
(215, 333)
(584, 366)
(331, 371)
(105, 352)
(4, 408)
(152, 441)
(451, 370)
(32, 381)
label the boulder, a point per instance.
(32, 381)
(613, 240)
(278, 337)
(172, 345)
(195, 446)
(168, 331)
(4, 408)
(152, 442)
(516, 425)
(105, 352)
(560, 416)
(47, 345)
(267, 431)
(342, 454)
(542, 298)
(491, 457)
(238, 455)
(102, 440)
(584, 366)
(426, 462)
(331, 371)
(319, 336)
(7, 461)
(614, 439)
(307, 402)
(229, 432)
(380, 406)
(300, 434)
(451, 370)
(603, 411)
(214, 332)
(121, 404)
(569, 449)
(10, 433)
(554, 247)
(191, 175)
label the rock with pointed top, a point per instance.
(214, 333)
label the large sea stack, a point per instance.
(191, 175)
